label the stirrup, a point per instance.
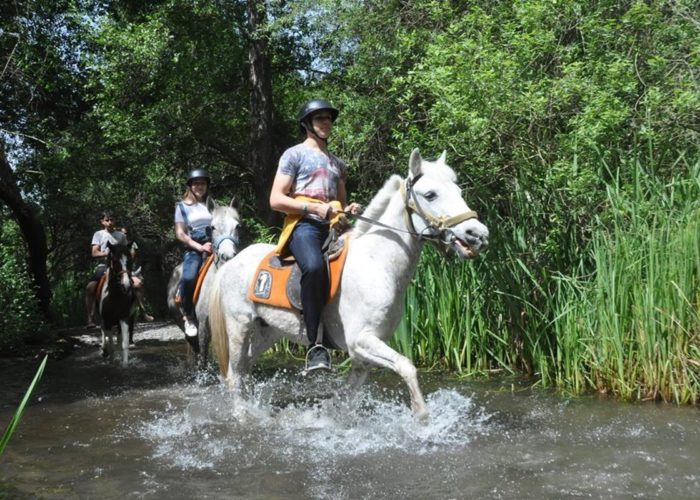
(317, 358)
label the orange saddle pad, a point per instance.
(198, 285)
(277, 282)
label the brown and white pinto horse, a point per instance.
(116, 301)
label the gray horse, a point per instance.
(225, 227)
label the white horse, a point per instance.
(225, 236)
(384, 252)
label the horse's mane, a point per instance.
(378, 204)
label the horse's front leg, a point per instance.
(105, 348)
(239, 331)
(369, 349)
(124, 328)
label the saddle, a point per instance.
(277, 280)
(198, 284)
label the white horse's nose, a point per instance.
(477, 235)
(227, 250)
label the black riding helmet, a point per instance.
(311, 107)
(198, 173)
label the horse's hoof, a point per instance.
(105, 353)
(423, 416)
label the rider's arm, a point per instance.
(282, 202)
(97, 253)
(182, 235)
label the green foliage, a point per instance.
(18, 303)
(68, 303)
(564, 120)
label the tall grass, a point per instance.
(637, 319)
(617, 311)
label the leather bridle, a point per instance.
(439, 227)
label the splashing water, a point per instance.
(294, 419)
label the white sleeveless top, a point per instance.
(198, 216)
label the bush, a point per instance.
(18, 302)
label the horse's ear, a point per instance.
(443, 157)
(211, 203)
(415, 163)
(234, 203)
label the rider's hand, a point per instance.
(354, 208)
(206, 247)
(324, 210)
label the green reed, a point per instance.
(12, 426)
(617, 311)
(638, 318)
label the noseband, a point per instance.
(440, 227)
(220, 239)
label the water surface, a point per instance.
(155, 431)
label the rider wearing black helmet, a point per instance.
(192, 221)
(309, 188)
(311, 107)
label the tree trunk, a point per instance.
(262, 155)
(32, 231)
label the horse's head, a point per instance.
(437, 211)
(120, 265)
(225, 231)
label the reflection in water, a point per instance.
(96, 430)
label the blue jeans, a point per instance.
(191, 262)
(305, 244)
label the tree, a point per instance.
(32, 230)
(262, 150)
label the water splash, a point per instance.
(290, 419)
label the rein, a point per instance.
(442, 225)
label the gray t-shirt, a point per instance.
(316, 174)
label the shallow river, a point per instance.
(95, 430)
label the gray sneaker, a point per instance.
(318, 358)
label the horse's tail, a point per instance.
(217, 326)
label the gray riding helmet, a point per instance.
(312, 106)
(198, 173)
